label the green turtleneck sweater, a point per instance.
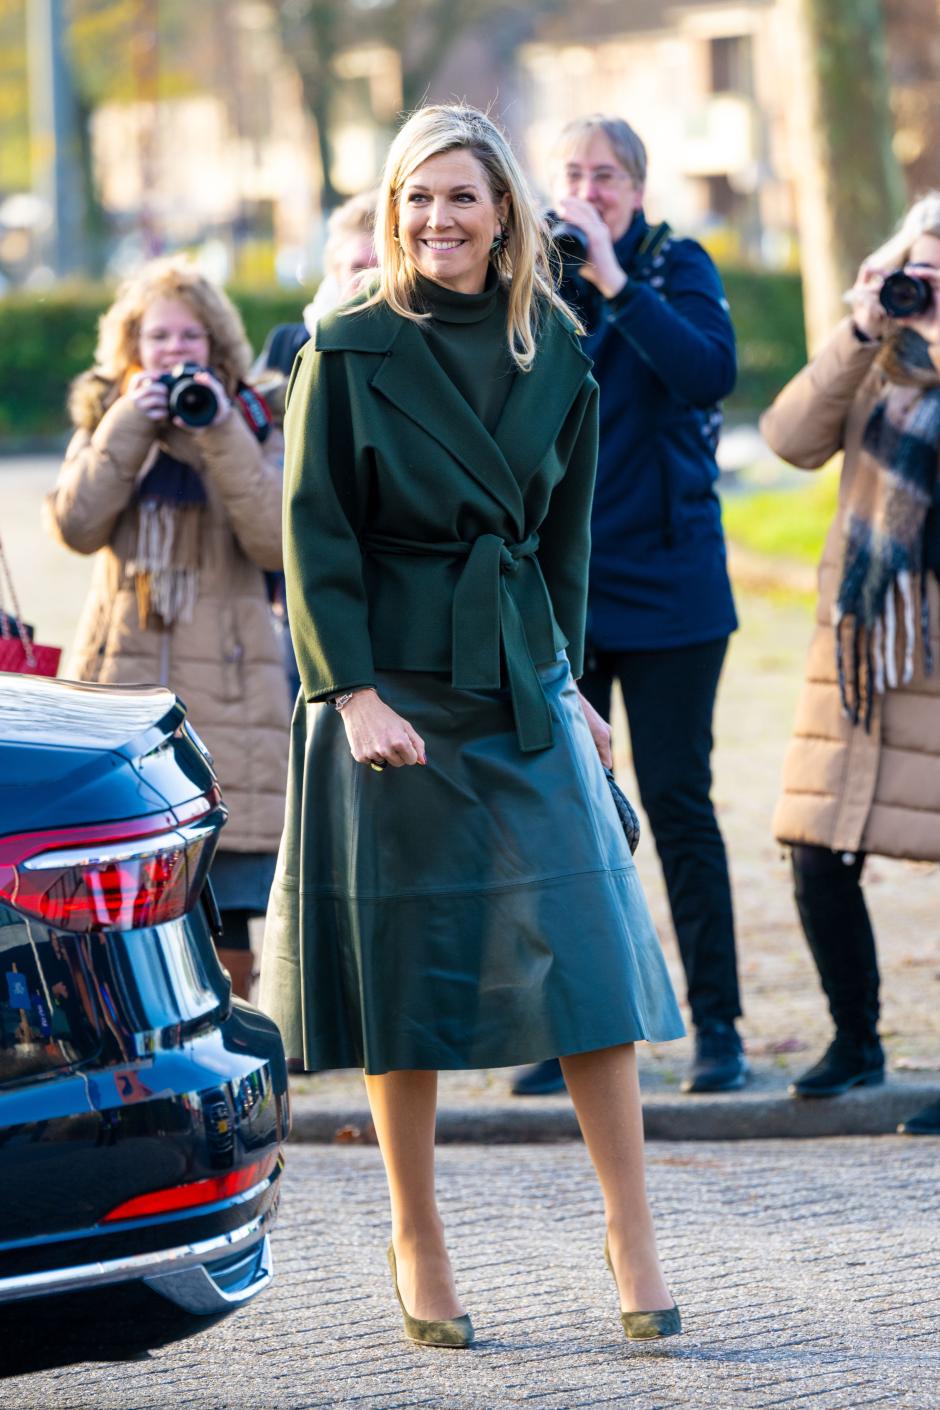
(467, 335)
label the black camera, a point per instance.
(193, 402)
(569, 240)
(903, 295)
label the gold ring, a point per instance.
(382, 764)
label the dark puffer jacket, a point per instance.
(664, 354)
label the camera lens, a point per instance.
(904, 295)
(570, 241)
(193, 402)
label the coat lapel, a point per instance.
(411, 378)
(540, 400)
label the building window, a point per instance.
(731, 64)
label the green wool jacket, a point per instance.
(417, 541)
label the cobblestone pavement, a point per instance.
(785, 1020)
(806, 1274)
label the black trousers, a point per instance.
(670, 700)
(828, 890)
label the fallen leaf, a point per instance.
(758, 1047)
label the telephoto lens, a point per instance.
(903, 295)
(193, 402)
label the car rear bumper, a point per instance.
(207, 1276)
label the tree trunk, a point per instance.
(850, 191)
(309, 34)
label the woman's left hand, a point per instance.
(221, 396)
(600, 732)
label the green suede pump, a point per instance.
(454, 1332)
(646, 1326)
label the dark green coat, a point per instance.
(415, 540)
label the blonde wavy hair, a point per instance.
(172, 277)
(923, 218)
(522, 264)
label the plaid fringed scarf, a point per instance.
(165, 568)
(881, 606)
(171, 499)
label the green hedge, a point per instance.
(767, 310)
(47, 339)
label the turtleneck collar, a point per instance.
(450, 307)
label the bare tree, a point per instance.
(423, 32)
(849, 185)
(313, 32)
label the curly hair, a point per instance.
(523, 262)
(172, 277)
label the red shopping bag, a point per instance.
(18, 651)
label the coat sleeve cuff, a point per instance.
(127, 434)
(622, 299)
(321, 695)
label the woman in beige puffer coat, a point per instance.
(183, 523)
(862, 773)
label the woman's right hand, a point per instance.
(149, 396)
(376, 734)
(867, 312)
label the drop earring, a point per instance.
(500, 241)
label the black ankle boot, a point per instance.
(719, 1064)
(846, 1063)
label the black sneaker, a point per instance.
(925, 1122)
(719, 1064)
(542, 1079)
(846, 1063)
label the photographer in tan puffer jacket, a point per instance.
(862, 773)
(184, 521)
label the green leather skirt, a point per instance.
(481, 911)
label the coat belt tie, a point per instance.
(488, 624)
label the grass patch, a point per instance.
(785, 523)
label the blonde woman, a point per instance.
(183, 521)
(475, 904)
(862, 774)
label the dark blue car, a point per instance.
(142, 1109)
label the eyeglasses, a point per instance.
(603, 178)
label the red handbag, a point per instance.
(18, 651)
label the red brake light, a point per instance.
(217, 1187)
(138, 873)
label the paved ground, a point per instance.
(806, 1273)
(785, 1022)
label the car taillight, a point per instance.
(117, 877)
(217, 1187)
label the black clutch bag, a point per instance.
(625, 812)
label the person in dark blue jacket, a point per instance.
(660, 609)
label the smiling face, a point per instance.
(591, 171)
(447, 220)
(170, 333)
